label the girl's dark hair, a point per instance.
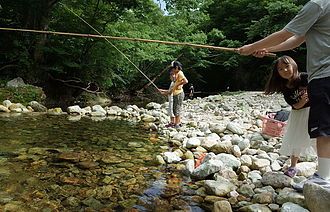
(277, 84)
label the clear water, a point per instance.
(49, 163)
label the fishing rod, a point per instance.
(217, 48)
(99, 34)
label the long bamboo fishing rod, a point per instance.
(217, 48)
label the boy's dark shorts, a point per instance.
(319, 114)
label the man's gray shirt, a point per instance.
(313, 22)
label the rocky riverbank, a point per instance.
(220, 147)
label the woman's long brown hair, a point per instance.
(277, 84)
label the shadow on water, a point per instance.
(51, 163)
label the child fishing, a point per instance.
(286, 79)
(177, 91)
(170, 99)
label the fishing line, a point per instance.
(110, 44)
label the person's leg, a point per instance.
(175, 108)
(294, 161)
(178, 109)
(319, 128)
(170, 111)
(292, 171)
(323, 153)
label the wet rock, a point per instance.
(69, 156)
(87, 165)
(93, 203)
(104, 192)
(15, 206)
(71, 202)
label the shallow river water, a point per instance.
(51, 163)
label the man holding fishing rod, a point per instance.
(177, 91)
(312, 26)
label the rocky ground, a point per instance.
(220, 147)
(242, 169)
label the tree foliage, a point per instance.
(227, 23)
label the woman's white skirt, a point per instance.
(296, 140)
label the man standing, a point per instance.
(310, 25)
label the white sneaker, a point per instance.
(313, 179)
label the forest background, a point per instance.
(62, 64)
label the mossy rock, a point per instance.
(23, 94)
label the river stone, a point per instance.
(306, 169)
(4, 109)
(235, 128)
(72, 201)
(104, 192)
(222, 206)
(93, 203)
(193, 142)
(148, 118)
(207, 168)
(317, 198)
(7, 103)
(16, 82)
(37, 107)
(290, 195)
(263, 198)
(291, 207)
(228, 160)
(69, 156)
(74, 110)
(153, 105)
(276, 180)
(219, 188)
(254, 208)
(88, 165)
(259, 163)
(171, 157)
(246, 190)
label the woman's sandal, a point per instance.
(170, 125)
(291, 172)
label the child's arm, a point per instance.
(163, 91)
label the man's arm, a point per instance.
(290, 43)
(270, 41)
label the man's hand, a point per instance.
(246, 50)
(260, 53)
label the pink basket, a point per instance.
(272, 127)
